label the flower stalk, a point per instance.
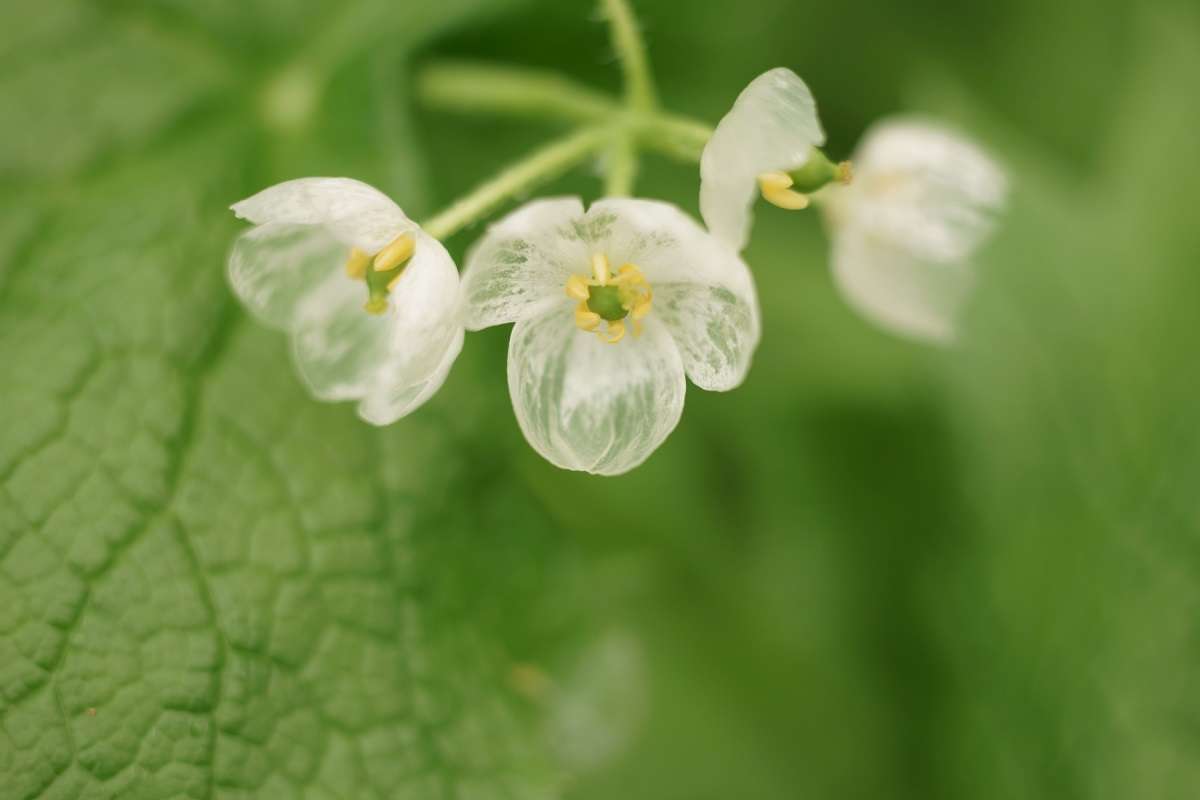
(631, 52)
(540, 166)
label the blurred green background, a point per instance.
(875, 570)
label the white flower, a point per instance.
(771, 131)
(369, 299)
(922, 201)
(613, 306)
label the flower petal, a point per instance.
(716, 330)
(338, 347)
(664, 242)
(772, 127)
(703, 290)
(391, 361)
(390, 399)
(354, 213)
(425, 304)
(898, 290)
(586, 405)
(273, 266)
(922, 187)
(523, 262)
(922, 201)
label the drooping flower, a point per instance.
(612, 307)
(904, 221)
(369, 299)
(922, 201)
(765, 144)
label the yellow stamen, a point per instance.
(600, 268)
(776, 190)
(376, 305)
(633, 291)
(395, 279)
(630, 275)
(616, 331)
(577, 287)
(396, 253)
(586, 318)
(845, 172)
(641, 308)
(356, 264)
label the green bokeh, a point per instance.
(876, 570)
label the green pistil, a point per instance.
(377, 288)
(606, 301)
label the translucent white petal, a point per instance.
(338, 347)
(772, 126)
(715, 329)
(703, 290)
(425, 305)
(923, 188)
(394, 361)
(273, 266)
(664, 242)
(389, 399)
(587, 405)
(353, 212)
(898, 290)
(521, 265)
(922, 201)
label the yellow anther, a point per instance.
(586, 319)
(641, 308)
(845, 172)
(629, 275)
(376, 305)
(600, 268)
(616, 331)
(396, 253)
(577, 287)
(395, 279)
(602, 310)
(356, 264)
(776, 188)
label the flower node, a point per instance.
(607, 298)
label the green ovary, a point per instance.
(606, 301)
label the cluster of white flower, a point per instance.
(613, 304)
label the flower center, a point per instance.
(790, 190)
(382, 271)
(609, 299)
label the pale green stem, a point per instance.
(467, 86)
(504, 91)
(631, 52)
(679, 137)
(621, 128)
(540, 166)
(621, 168)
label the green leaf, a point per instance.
(211, 585)
(78, 83)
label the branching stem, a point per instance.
(618, 129)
